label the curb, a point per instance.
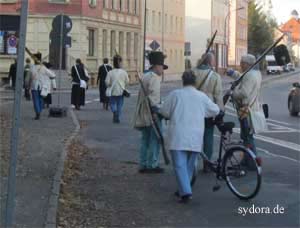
(53, 199)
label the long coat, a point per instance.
(212, 86)
(102, 73)
(142, 117)
(247, 94)
(186, 109)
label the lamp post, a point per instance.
(145, 33)
(225, 32)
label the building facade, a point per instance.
(238, 32)
(100, 28)
(165, 31)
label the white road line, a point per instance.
(271, 154)
(279, 122)
(88, 102)
(276, 155)
(96, 99)
(275, 141)
(279, 127)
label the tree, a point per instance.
(260, 29)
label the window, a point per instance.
(104, 4)
(128, 6)
(120, 4)
(148, 27)
(121, 43)
(166, 23)
(93, 3)
(112, 43)
(91, 37)
(128, 45)
(153, 21)
(136, 46)
(9, 34)
(172, 24)
(8, 1)
(159, 21)
(104, 44)
(135, 7)
(59, 1)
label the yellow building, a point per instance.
(165, 25)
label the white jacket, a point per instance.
(119, 79)
(186, 108)
(41, 77)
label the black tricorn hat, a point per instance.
(157, 58)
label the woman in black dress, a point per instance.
(102, 72)
(78, 73)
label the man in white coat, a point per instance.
(246, 99)
(186, 109)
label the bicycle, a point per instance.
(239, 166)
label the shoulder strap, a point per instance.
(77, 72)
(105, 68)
(204, 80)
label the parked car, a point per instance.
(294, 99)
(291, 67)
(272, 66)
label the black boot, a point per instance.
(37, 117)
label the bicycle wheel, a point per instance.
(241, 172)
(196, 170)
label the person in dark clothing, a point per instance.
(27, 76)
(102, 73)
(78, 73)
(13, 73)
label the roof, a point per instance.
(292, 26)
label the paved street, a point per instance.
(110, 192)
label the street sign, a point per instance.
(12, 45)
(154, 45)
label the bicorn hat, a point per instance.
(157, 58)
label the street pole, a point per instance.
(60, 55)
(11, 188)
(163, 33)
(145, 25)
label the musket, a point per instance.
(208, 48)
(32, 55)
(237, 82)
(153, 122)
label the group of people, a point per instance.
(190, 112)
(38, 82)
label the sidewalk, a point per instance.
(40, 146)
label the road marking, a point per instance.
(280, 129)
(96, 99)
(275, 141)
(276, 155)
(88, 102)
(271, 154)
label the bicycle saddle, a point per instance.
(226, 127)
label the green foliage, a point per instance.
(260, 29)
